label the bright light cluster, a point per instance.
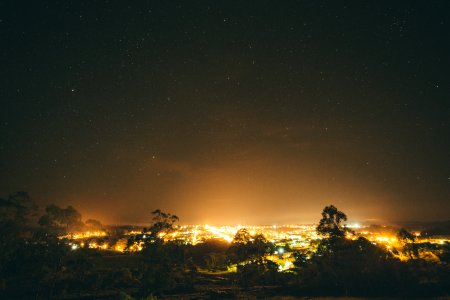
(84, 235)
(297, 235)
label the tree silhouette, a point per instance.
(240, 247)
(17, 208)
(165, 265)
(331, 223)
(405, 236)
(94, 224)
(15, 231)
(61, 220)
(245, 247)
(408, 239)
(242, 236)
(162, 223)
(31, 259)
(342, 266)
(249, 253)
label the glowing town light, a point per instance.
(354, 225)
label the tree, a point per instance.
(257, 273)
(61, 220)
(31, 261)
(407, 239)
(342, 266)
(331, 223)
(242, 236)
(350, 267)
(405, 236)
(164, 264)
(94, 224)
(244, 247)
(15, 231)
(15, 212)
(249, 254)
(162, 223)
(239, 249)
(261, 246)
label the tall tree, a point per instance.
(162, 223)
(164, 264)
(242, 236)
(61, 220)
(331, 223)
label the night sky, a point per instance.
(228, 112)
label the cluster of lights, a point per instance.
(90, 245)
(84, 235)
(298, 235)
(295, 236)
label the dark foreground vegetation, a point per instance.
(36, 264)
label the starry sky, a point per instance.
(228, 112)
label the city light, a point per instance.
(294, 237)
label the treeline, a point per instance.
(35, 263)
